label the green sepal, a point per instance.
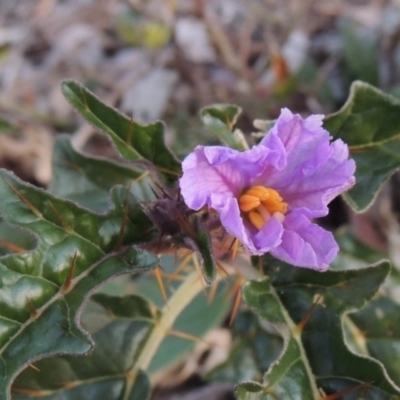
(220, 120)
(200, 241)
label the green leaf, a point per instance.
(87, 180)
(374, 166)
(132, 140)
(369, 117)
(369, 122)
(354, 253)
(125, 330)
(255, 348)
(118, 326)
(220, 120)
(290, 376)
(316, 355)
(378, 333)
(42, 289)
(200, 242)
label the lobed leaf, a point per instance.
(316, 355)
(255, 347)
(354, 253)
(374, 166)
(378, 333)
(125, 329)
(87, 180)
(118, 326)
(369, 122)
(43, 288)
(132, 140)
(220, 120)
(290, 376)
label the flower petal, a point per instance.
(316, 170)
(204, 176)
(223, 171)
(305, 244)
(256, 242)
(269, 236)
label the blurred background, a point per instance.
(165, 59)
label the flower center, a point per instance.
(260, 203)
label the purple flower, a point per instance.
(267, 196)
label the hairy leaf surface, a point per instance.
(369, 122)
(132, 140)
(316, 356)
(87, 180)
(118, 326)
(43, 287)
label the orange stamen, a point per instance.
(248, 202)
(256, 219)
(259, 203)
(259, 191)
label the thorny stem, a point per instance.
(186, 292)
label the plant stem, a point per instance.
(296, 335)
(186, 292)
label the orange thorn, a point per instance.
(34, 367)
(260, 266)
(300, 326)
(68, 385)
(31, 392)
(235, 246)
(185, 225)
(70, 275)
(11, 246)
(32, 308)
(157, 273)
(63, 223)
(273, 394)
(162, 169)
(235, 308)
(211, 293)
(139, 178)
(222, 268)
(188, 336)
(182, 266)
(24, 200)
(236, 286)
(172, 277)
(346, 391)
